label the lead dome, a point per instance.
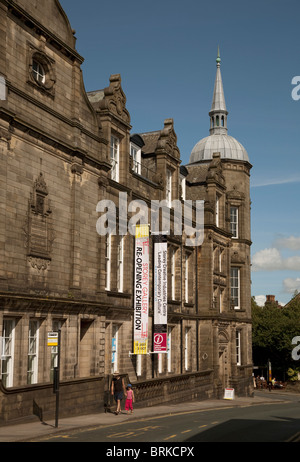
(218, 139)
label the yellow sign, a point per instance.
(142, 231)
(52, 339)
(140, 348)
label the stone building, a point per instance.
(62, 151)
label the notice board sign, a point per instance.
(52, 339)
(229, 393)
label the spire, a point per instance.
(218, 112)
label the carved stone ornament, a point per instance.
(215, 170)
(237, 259)
(38, 229)
(40, 264)
(167, 141)
(114, 99)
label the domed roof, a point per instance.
(226, 145)
(218, 140)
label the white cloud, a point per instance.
(266, 260)
(260, 299)
(290, 285)
(291, 243)
(271, 260)
(275, 181)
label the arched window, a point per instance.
(217, 121)
(38, 71)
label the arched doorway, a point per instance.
(223, 360)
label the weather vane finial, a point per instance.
(218, 60)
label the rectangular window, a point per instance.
(183, 187)
(221, 300)
(114, 348)
(114, 158)
(169, 188)
(238, 348)
(173, 273)
(186, 279)
(234, 222)
(138, 365)
(160, 365)
(169, 350)
(56, 325)
(135, 153)
(186, 348)
(120, 267)
(33, 342)
(235, 287)
(107, 260)
(217, 211)
(7, 353)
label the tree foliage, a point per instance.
(272, 332)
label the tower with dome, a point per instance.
(219, 173)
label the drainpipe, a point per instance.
(197, 320)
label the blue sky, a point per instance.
(165, 52)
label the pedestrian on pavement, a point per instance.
(129, 399)
(270, 385)
(117, 390)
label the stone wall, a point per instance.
(78, 396)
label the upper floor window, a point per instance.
(186, 279)
(135, 153)
(38, 72)
(173, 276)
(120, 264)
(42, 73)
(235, 287)
(114, 157)
(217, 211)
(234, 221)
(107, 260)
(169, 187)
(183, 187)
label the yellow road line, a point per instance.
(169, 437)
(186, 431)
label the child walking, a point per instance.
(129, 399)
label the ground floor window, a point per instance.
(7, 353)
(238, 348)
(114, 348)
(33, 341)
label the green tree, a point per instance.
(272, 334)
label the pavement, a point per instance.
(26, 432)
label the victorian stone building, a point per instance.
(63, 150)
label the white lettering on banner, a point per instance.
(141, 290)
(160, 295)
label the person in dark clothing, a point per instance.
(117, 390)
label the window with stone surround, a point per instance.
(235, 287)
(7, 352)
(238, 347)
(234, 221)
(107, 260)
(114, 157)
(41, 71)
(33, 346)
